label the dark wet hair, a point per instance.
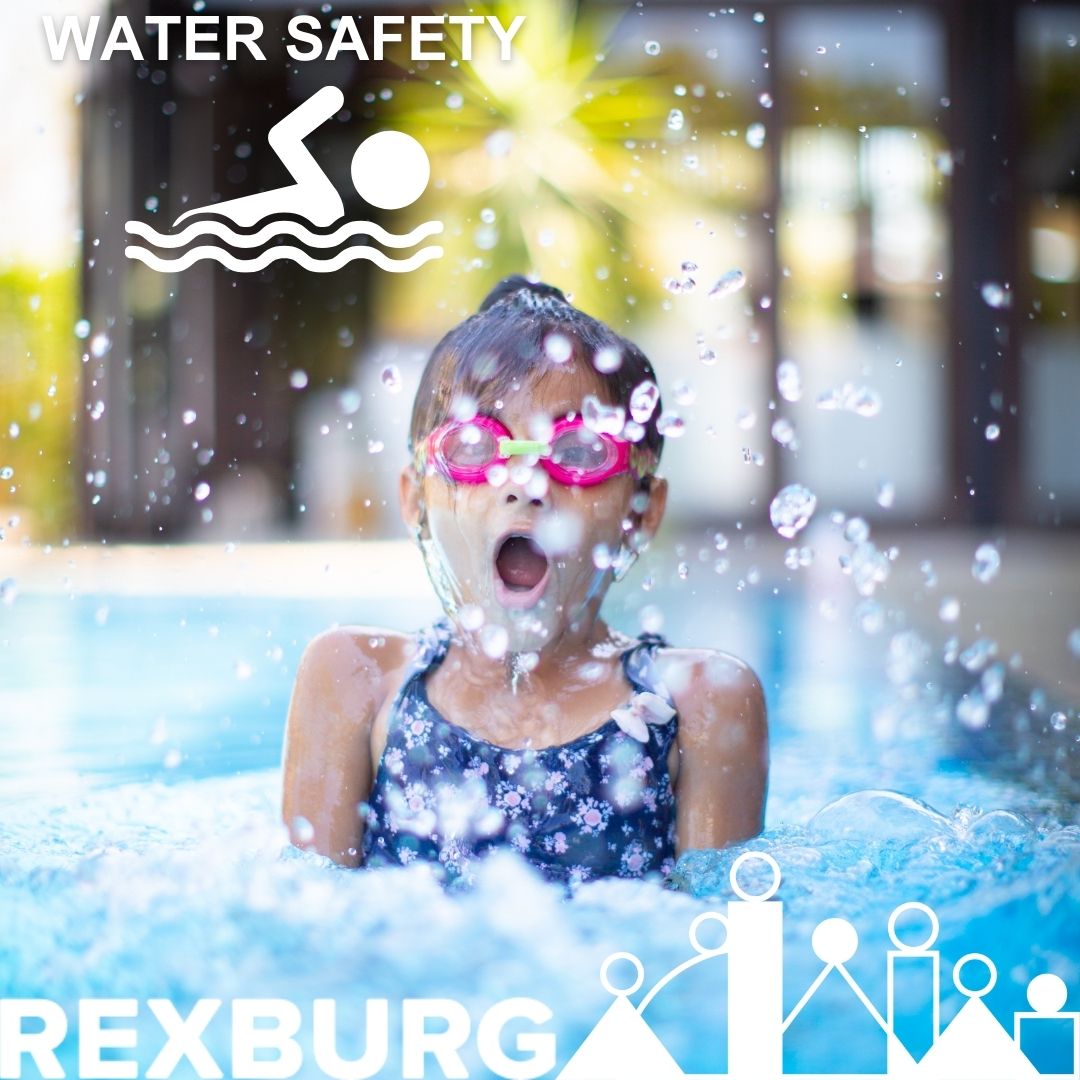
(503, 345)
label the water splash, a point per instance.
(987, 563)
(729, 283)
(791, 509)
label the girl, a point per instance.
(521, 718)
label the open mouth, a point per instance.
(521, 569)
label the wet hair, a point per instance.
(503, 346)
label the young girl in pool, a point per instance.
(522, 718)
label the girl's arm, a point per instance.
(723, 752)
(327, 769)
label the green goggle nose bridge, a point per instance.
(521, 447)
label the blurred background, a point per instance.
(899, 189)
(847, 235)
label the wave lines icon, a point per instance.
(389, 170)
(274, 228)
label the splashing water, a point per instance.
(729, 283)
(601, 418)
(788, 380)
(391, 379)
(791, 510)
(996, 296)
(671, 425)
(861, 400)
(987, 563)
(643, 401)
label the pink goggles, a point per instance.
(464, 451)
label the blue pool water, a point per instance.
(141, 853)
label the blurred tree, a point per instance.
(552, 161)
(39, 382)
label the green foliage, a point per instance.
(39, 380)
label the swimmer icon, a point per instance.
(390, 170)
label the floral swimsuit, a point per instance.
(601, 805)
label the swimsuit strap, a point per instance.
(639, 666)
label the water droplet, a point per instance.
(783, 431)
(820, 50)
(1058, 721)
(454, 101)
(652, 48)
(559, 533)
(471, 617)
(298, 379)
(731, 282)
(487, 216)
(886, 493)
(607, 360)
(791, 509)
(558, 348)
(788, 380)
(972, 710)
(746, 418)
(349, 401)
(993, 432)
(391, 378)
(675, 120)
(865, 402)
(100, 344)
(997, 296)
(1074, 641)
(759, 17)
(9, 589)
(189, 417)
(987, 563)
(13, 430)
(689, 267)
(671, 425)
(643, 401)
(684, 393)
(949, 609)
(601, 418)
(683, 570)
(765, 100)
(651, 619)
(375, 446)
(494, 641)
(202, 491)
(755, 135)
(856, 531)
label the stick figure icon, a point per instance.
(389, 170)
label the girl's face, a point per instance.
(517, 563)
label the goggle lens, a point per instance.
(469, 447)
(579, 450)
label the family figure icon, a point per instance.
(390, 170)
(974, 1045)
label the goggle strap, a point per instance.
(521, 447)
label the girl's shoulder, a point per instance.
(710, 686)
(355, 658)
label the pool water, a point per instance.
(141, 853)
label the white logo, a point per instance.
(974, 1046)
(390, 170)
